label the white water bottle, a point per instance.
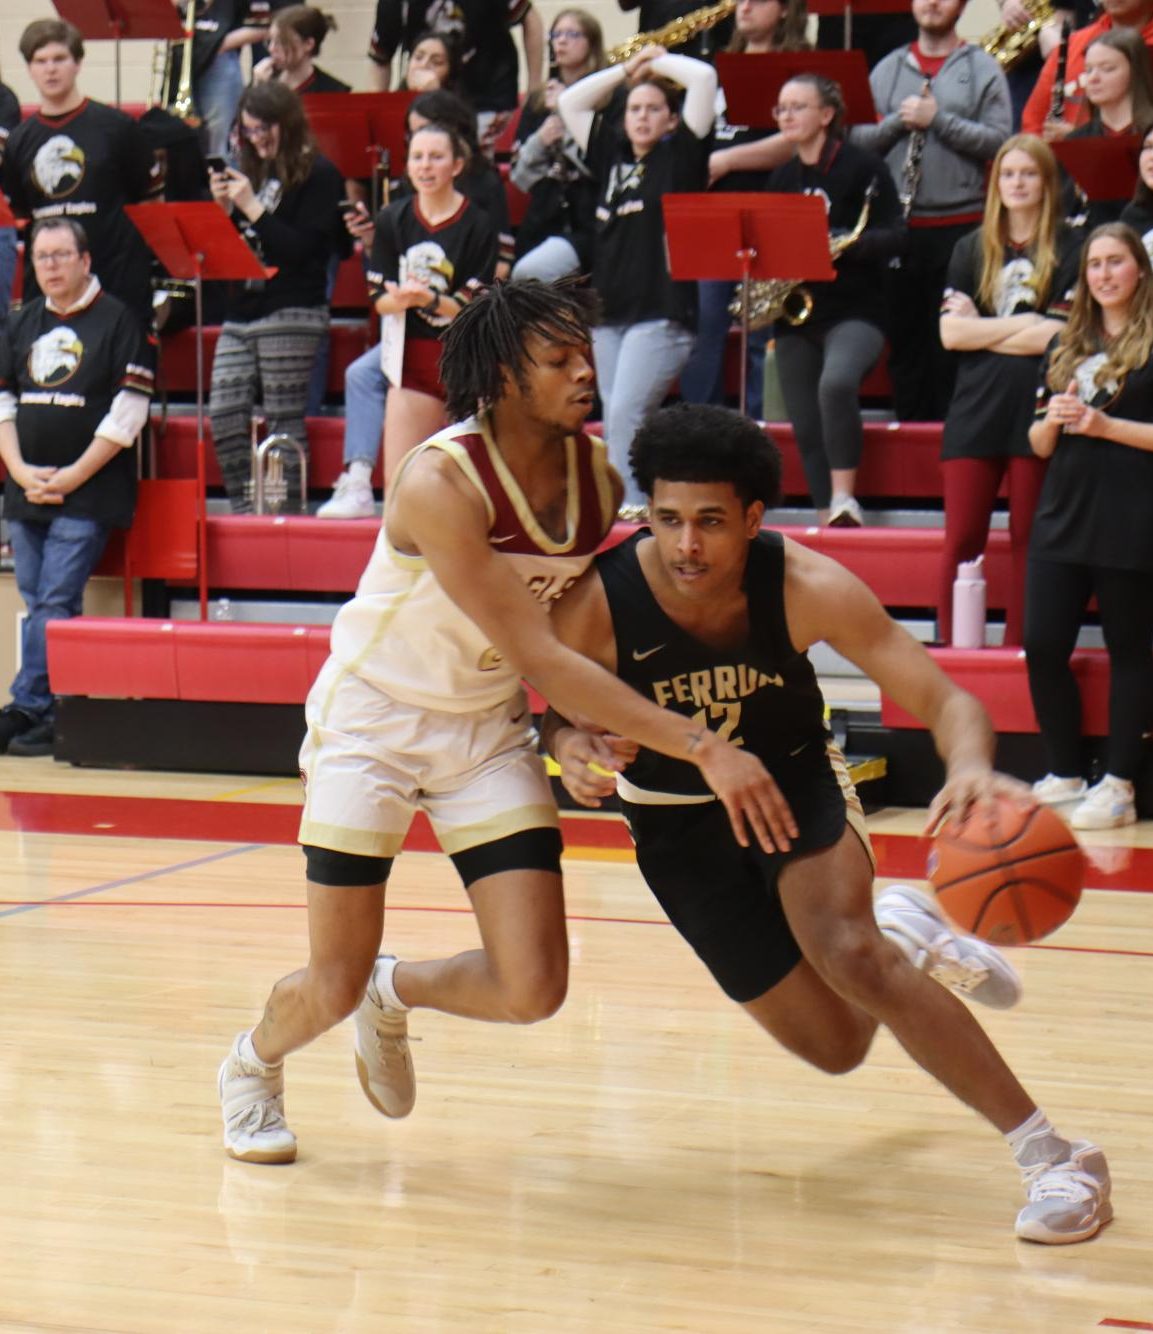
(969, 605)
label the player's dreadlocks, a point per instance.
(488, 337)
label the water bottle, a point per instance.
(969, 605)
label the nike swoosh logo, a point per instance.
(648, 653)
(496, 541)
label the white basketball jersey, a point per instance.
(401, 632)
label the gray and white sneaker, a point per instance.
(1068, 1201)
(911, 919)
(845, 512)
(383, 1061)
(1108, 804)
(351, 499)
(1053, 790)
(252, 1102)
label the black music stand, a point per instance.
(347, 126)
(753, 83)
(848, 8)
(194, 242)
(100, 20)
(746, 236)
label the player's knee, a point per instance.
(840, 1054)
(530, 999)
(854, 962)
(336, 992)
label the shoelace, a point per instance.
(1062, 1182)
(952, 969)
(267, 1114)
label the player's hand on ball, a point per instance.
(967, 791)
(751, 796)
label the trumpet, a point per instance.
(788, 299)
(675, 33)
(269, 482)
(1010, 46)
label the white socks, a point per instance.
(382, 975)
(1035, 1141)
(247, 1053)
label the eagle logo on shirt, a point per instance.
(1016, 287)
(58, 167)
(55, 357)
(426, 263)
(1088, 390)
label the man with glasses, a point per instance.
(943, 111)
(76, 373)
(79, 159)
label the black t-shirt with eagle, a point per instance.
(762, 694)
(64, 370)
(86, 165)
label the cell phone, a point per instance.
(348, 206)
(217, 164)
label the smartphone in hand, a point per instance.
(217, 165)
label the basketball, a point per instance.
(1007, 874)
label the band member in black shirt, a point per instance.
(295, 37)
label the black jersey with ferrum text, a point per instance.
(762, 694)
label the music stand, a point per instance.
(195, 242)
(1103, 166)
(346, 126)
(746, 236)
(99, 20)
(847, 8)
(753, 83)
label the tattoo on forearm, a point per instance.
(695, 740)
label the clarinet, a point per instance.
(1057, 101)
(911, 167)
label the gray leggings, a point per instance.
(267, 360)
(821, 372)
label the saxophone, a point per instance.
(1010, 47)
(676, 33)
(772, 299)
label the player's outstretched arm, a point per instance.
(824, 601)
(436, 513)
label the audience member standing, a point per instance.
(76, 158)
(647, 320)
(69, 454)
(1092, 536)
(9, 119)
(1009, 285)
(944, 111)
(283, 198)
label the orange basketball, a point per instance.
(1006, 874)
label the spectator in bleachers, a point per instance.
(1119, 102)
(9, 119)
(435, 61)
(647, 320)
(70, 455)
(943, 108)
(1135, 14)
(483, 28)
(431, 252)
(555, 235)
(762, 26)
(77, 158)
(1091, 535)
(283, 199)
(1023, 75)
(295, 37)
(1138, 213)
(1009, 285)
(365, 384)
(824, 357)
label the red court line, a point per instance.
(1124, 1324)
(898, 855)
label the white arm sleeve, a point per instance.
(7, 406)
(699, 81)
(125, 418)
(580, 102)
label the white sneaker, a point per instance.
(252, 1100)
(351, 499)
(845, 513)
(1054, 791)
(972, 967)
(1068, 1201)
(1107, 805)
(383, 1060)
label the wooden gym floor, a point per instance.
(647, 1160)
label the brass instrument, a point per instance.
(676, 33)
(182, 106)
(1010, 47)
(772, 299)
(268, 487)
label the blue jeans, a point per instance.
(703, 378)
(216, 94)
(636, 364)
(318, 381)
(7, 266)
(365, 391)
(53, 563)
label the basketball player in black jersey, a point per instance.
(711, 617)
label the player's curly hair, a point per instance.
(488, 337)
(695, 442)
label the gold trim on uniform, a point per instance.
(462, 838)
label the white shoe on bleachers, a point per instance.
(351, 499)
